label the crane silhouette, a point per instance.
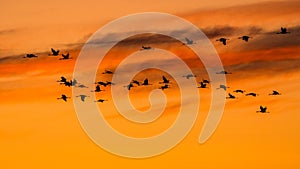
(230, 96)
(262, 109)
(101, 100)
(275, 93)
(252, 94)
(54, 52)
(222, 40)
(146, 47)
(283, 31)
(107, 72)
(65, 57)
(102, 83)
(239, 91)
(64, 97)
(223, 72)
(136, 82)
(188, 76)
(30, 55)
(165, 80)
(98, 89)
(205, 81)
(202, 85)
(82, 86)
(129, 86)
(245, 38)
(146, 82)
(62, 79)
(164, 87)
(189, 41)
(223, 87)
(82, 97)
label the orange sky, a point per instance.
(39, 131)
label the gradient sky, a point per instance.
(39, 131)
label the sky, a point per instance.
(39, 131)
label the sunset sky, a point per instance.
(39, 131)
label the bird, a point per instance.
(245, 38)
(30, 55)
(230, 96)
(82, 97)
(65, 57)
(146, 82)
(107, 72)
(223, 72)
(189, 41)
(102, 83)
(109, 83)
(262, 110)
(239, 91)
(62, 79)
(98, 89)
(283, 31)
(136, 82)
(164, 87)
(68, 83)
(275, 93)
(64, 97)
(202, 85)
(165, 80)
(188, 76)
(54, 52)
(101, 100)
(205, 81)
(223, 87)
(146, 47)
(82, 86)
(129, 86)
(223, 40)
(74, 82)
(252, 94)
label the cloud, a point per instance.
(7, 31)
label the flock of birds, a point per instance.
(164, 84)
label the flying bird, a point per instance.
(252, 94)
(82, 97)
(275, 93)
(202, 85)
(189, 41)
(82, 86)
(146, 47)
(165, 80)
(164, 87)
(239, 91)
(230, 96)
(245, 38)
(30, 55)
(98, 89)
(223, 72)
(205, 81)
(129, 86)
(222, 40)
(283, 31)
(54, 52)
(262, 110)
(65, 57)
(223, 87)
(146, 82)
(188, 76)
(62, 79)
(136, 82)
(101, 100)
(107, 72)
(102, 83)
(64, 97)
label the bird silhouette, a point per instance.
(283, 31)
(252, 94)
(239, 91)
(146, 47)
(102, 83)
(82, 86)
(136, 82)
(262, 110)
(165, 80)
(82, 97)
(188, 76)
(107, 72)
(223, 87)
(223, 40)
(164, 87)
(146, 82)
(129, 86)
(223, 72)
(189, 41)
(245, 38)
(101, 100)
(98, 89)
(230, 96)
(54, 52)
(65, 57)
(275, 93)
(30, 55)
(109, 83)
(202, 85)
(68, 83)
(62, 79)
(205, 81)
(64, 97)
